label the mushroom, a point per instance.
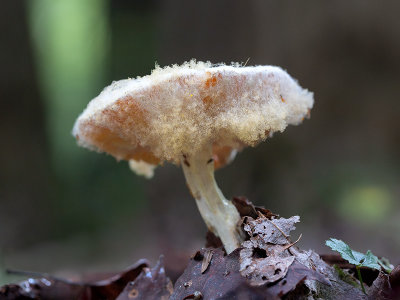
(196, 115)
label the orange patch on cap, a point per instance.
(211, 79)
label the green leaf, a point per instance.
(344, 250)
(356, 258)
(385, 263)
(371, 261)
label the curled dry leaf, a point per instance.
(333, 287)
(221, 281)
(260, 271)
(394, 279)
(150, 284)
(224, 281)
(274, 231)
(380, 289)
(247, 209)
(49, 287)
(297, 274)
(263, 259)
(386, 287)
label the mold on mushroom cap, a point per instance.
(181, 109)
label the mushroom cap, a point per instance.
(182, 109)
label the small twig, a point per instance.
(292, 244)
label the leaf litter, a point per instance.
(268, 265)
(263, 258)
(136, 282)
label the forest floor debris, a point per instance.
(268, 265)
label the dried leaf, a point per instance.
(224, 281)
(260, 271)
(45, 289)
(333, 287)
(245, 209)
(394, 279)
(248, 209)
(380, 289)
(49, 287)
(297, 274)
(264, 265)
(150, 284)
(264, 258)
(274, 231)
(221, 281)
(386, 287)
(110, 288)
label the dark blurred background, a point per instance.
(65, 209)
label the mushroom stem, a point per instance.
(220, 215)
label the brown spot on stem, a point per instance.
(185, 161)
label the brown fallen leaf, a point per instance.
(260, 271)
(275, 231)
(296, 275)
(380, 288)
(394, 279)
(246, 208)
(224, 281)
(52, 288)
(150, 284)
(263, 259)
(386, 287)
(221, 281)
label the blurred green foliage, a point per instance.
(368, 204)
(72, 41)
